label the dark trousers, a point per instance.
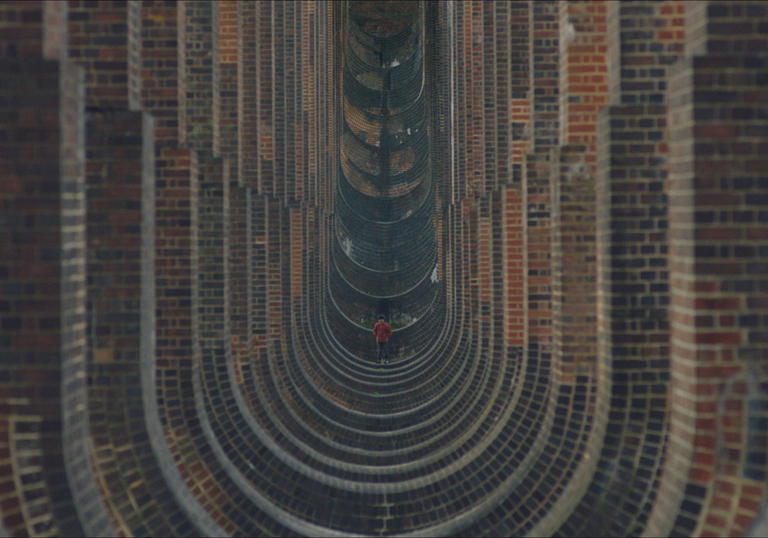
(382, 351)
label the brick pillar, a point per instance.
(42, 266)
(214, 221)
(120, 175)
(506, 115)
(575, 377)
(504, 90)
(226, 131)
(543, 127)
(491, 83)
(106, 40)
(309, 98)
(473, 93)
(277, 260)
(714, 475)
(631, 268)
(169, 379)
(247, 92)
(519, 109)
(257, 274)
(226, 96)
(200, 42)
(265, 150)
(513, 247)
(176, 190)
(543, 55)
(483, 243)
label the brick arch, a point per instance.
(172, 361)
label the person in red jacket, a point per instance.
(382, 331)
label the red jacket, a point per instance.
(382, 330)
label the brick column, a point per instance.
(265, 151)
(105, 39)
(277, 261)
(512, 241)
(176, 190)
(631, 269)
(226, 131)
(47, 480)
(308, 85)
(200, 43)
(576, 380)
(582, 93)
(543, 127)
(169, 380)
(257, 274)
(247, 92)
(714, 475)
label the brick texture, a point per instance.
(177, 350)
(106, 40)
(42, 205)
(717, 289)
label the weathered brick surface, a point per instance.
(644, 40)
(237, 275)
(176, 186)
(583, 71)
(42, 296)
(713, 470)
(199, 72)
(263, 37)
(257, 274)
(723, 27)
(632, 274)
(574, 292)
(543, 58)
(33, 29)
(120, 175)
(582, 93)
(537, 228)
(543, 63)
(160, 80)
(44, 342)
(225, 121)
(513, 245)
(105, 38)
(213, 241)
(247, 93)
(492, 88)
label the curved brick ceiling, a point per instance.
(384, 251)
(203, 203)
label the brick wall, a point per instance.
(543, 128)
(200, 43)
(513, 241)
(225, 89)
(714, 473)
(105, 40)
(583, 71)
(582, 93)
(632, 274)
(42, 204)
(34, 29)
(247, 92)
(176, 186)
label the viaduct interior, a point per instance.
(560, 207)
